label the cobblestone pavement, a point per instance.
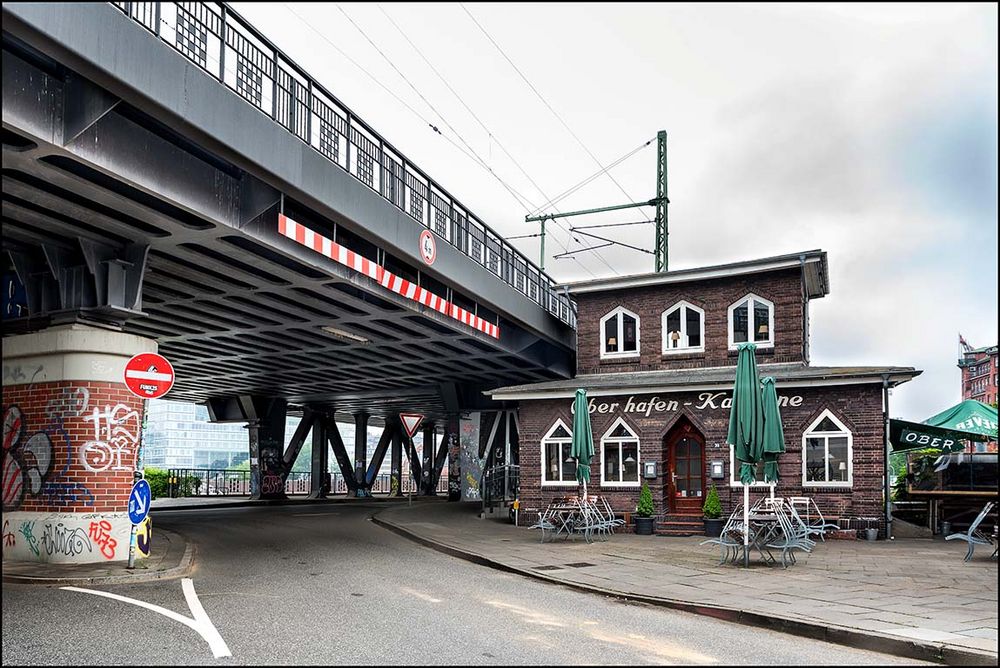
(917, 589)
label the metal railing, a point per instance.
(226, 46)
(500, 484)
(230, 482)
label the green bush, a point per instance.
(645, 507)
(712, 509)
(158, 481)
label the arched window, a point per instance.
(827, 453)
(620, 456)
(620, 334)
(683, 329)
(751, 319)
(558, 468)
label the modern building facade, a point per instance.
(657, 355)
(980, 367)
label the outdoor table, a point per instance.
(567, 516)
(763, 528)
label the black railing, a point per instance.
(226, 46)
(500, 484)
(229, 482)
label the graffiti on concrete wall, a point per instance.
(116, 435)
(144, 537)
(27, 530)
(8, 536)
(471, 464)
(59, 539)
(100, 533)
(26, 459)
(70, 537)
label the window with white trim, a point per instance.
(751, 319)
(683, 328)
(734, 471)
(620, 456)
(558, 468)
(827, 453)
(620, 334)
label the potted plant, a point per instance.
(712, 514)
(644, 512)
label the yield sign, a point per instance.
(410, 422)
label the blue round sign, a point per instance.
(138, 502)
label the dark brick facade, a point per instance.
(858, 407)
(783, 288)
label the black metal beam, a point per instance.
(298, 438)
(319, 483)
(379, 455)
(340, 452)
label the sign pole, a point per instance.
(131, 546)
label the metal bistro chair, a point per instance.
(730, 540)
(818, 526)
(974, 536)
(791, 537)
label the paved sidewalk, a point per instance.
(205, 502)
(914, 597)
(171, 557)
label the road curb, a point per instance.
(911, 649)
(275, 502)
(135, 577)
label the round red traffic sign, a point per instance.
(149, 376)
(428, 248)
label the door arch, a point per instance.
(684, 448)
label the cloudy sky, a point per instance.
(869, 131)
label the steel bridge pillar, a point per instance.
(266, 430)
(452, 442)
(396, 475)
(71, 441)
(319, 485)
(427, 467)
(360, 453)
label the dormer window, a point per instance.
(620, 334)
(683, 329)
(751, 319)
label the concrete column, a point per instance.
(267, 442)
(320, 484)
(361, 452)
(71, 438)
(426, 471)
(451, 436)
(396, 476)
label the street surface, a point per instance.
(323, 585)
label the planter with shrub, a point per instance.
(712, 514)
(644, 512)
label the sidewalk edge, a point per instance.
(912, 649)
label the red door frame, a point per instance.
(684, 429)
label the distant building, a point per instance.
(179, 435)
(979, 373)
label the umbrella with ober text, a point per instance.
(583, 440)
(746, 429)
(774, 434)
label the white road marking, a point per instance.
(201, 624)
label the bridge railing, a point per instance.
(187, 482)
(226, 46)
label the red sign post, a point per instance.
(149, 376)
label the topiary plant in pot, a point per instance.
(712, 513)
(644, 512)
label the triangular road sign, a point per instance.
(411, 421)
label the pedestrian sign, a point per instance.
(138, 502)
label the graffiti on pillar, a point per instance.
(100, 532)
(471, 463)
(28, 531)
(144, 537)
(270, 484)
(8, 536)
(271, 469)
(68, 541)
(16, 373)
(26, 459)
(114, 443)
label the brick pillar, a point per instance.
(70, 444)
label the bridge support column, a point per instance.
(71, 436)
(453, 444)
(266, 429)
(319, 485)
(427, 469)
(396, 475)
(360, 454)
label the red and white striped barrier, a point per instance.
(334, 251)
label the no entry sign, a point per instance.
(149, 376)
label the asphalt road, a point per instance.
(322, 585)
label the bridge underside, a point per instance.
(101, 201)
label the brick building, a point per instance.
(657, 354)
(980, 367)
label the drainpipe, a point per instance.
(885, 426)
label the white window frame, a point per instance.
(752, 324)
(548, 439)
(621, 329)
(607, 439)
(667, 350)
(844, 431)
(734, 480)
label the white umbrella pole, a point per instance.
(772, 492)
(746, 524)
(584, 490)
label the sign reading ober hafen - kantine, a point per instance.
(705, 401)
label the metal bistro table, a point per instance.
(764, 527)
(563, 517)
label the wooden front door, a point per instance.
(685, 469)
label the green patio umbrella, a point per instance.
(774, 434)
(583, 440)
(746, 429)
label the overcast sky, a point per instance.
(869, 131)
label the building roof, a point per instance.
(714, 378)
(817, 277)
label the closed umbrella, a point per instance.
(746, 428)
(774, 434)
(583, 440)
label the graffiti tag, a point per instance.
(61, 539)
(101, 533)
(26, 459)
(27, 530)
(112, 439)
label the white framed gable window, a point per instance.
(558, 468)
(620, 334)
(751, 319)
(734, 471)
(620, 456)
(683, 329)
(827, 453)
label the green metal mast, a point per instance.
(660, 250)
